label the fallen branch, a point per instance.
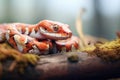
(88, 67)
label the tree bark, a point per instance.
(57, 67)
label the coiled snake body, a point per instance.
(40, 38)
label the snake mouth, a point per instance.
(54, 35)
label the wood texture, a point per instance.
(58, 67)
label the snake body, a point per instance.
(38, 38)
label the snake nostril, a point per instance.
(70, 34)
(45, 28)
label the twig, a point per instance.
(12, 66)
(1, 69)
(79, 27)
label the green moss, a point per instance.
(17, 60)
(108, 51)
(73, 58)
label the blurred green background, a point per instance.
(101, 19)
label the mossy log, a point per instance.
(58, 67)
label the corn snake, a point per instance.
(40, 38)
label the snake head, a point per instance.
(54, 30)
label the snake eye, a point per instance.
(55, 27)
